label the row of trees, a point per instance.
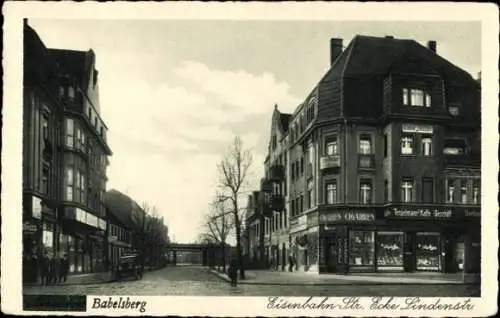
(226, 213)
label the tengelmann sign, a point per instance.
(418, 213)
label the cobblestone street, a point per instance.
(198, 281)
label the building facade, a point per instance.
(384, 163)
(65, 155)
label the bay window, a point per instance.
(332, 147)
(70, 130)
(69, 184)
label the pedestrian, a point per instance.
(53, 272)
(44, 268)
(63, 268)
(233, 272)
(290, 263)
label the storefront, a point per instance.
(399, 240)
(83, 241)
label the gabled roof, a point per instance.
(285, 120)
(120, 205)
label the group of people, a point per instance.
(53, 270)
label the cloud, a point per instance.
(168, 137)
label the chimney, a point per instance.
(335, 49)
(431, 45)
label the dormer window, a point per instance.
(454, 147)
(416, 97)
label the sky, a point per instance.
(175, 93)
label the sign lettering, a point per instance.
(472, 213)
(418, 213)
(347, 216)
(420, 129)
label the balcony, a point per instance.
(277, 173)
(277, 203)
(329, 162)
(266, 186)
(473, 160)
(366, 161)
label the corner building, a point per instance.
(384, 163)
(65, 156)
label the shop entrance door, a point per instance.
(409, 252)
(331, 256)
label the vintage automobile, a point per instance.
(128, 266)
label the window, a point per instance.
(332, 147)
(426, 145)
(407, 190)
(331, 192)
(69, 184)
(311, 153)
(301, 203)
(365, 191)
(302, 166)
(406, 145)
(362, 247)
(45, 180)
(385, 145)
(365, 145)
(90, 113)
(454, 147)
(427, 251)
(427, 190)
(450, 193)
(45, 125)
(71, 92)
(285, 218)
(293, 207)
(476, 193)
(416, 97)
(390, 250)
(70, 132)
(386, 191)
(297, 169)
(454, 110)
(309, 198)
(463, 191)
(293, 171)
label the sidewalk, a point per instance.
(82, 279)
(268, 277)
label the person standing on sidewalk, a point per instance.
(44, 268)
(233, 271)
(290, 263)
(53, 272)
(63, 268)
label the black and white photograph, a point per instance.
(307, 162)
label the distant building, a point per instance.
(384, 163)
(65, 155)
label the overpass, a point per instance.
(199, 254)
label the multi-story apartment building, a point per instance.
(267, 213)
(65, 155)
(384, 162)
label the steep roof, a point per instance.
(76, 63)
(120, 205)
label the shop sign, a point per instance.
(29, 227)
(419, 129)
(347, 216)
(37, 208)
(472, 213)
(418, 213)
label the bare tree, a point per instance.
(218, 225)
(233, 170)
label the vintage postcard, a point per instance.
(250, 159)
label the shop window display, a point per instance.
(362, 248)
(428, 251)
(390, 250)
(48, 238)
